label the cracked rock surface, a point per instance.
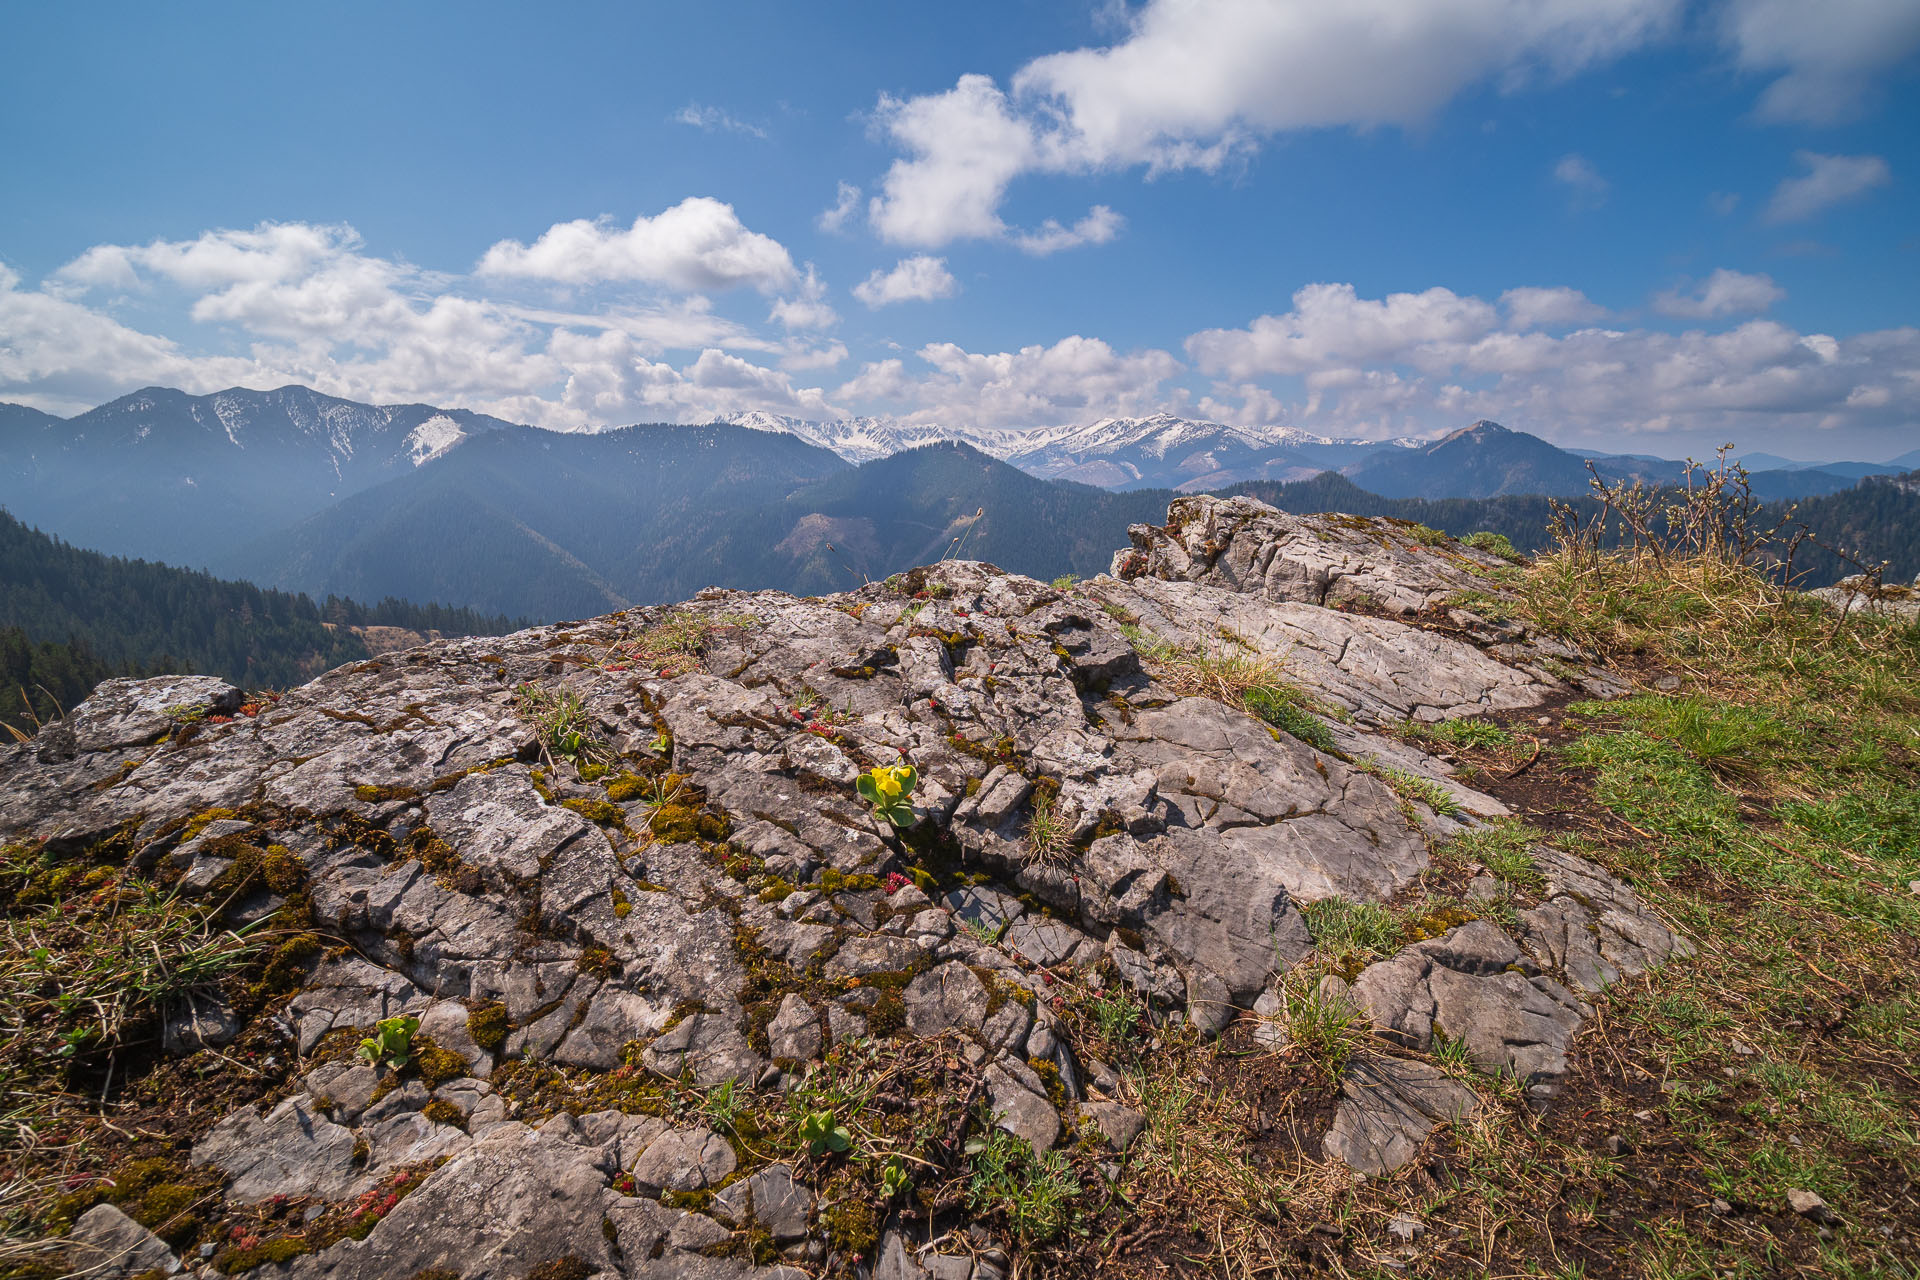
(712, 901)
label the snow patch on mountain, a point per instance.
(432, 438)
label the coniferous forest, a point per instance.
(70, 618)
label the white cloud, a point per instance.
(1099, 226)
(1724, 293)
(916, 279)
(1829, 51)
(1586, 187)
(1535, 308)
(697, 244)
(1828, 181)
(714, 119)
(964, 147)
(809, 309)
(302, 303)
(1076, 379)
(1420, 362)
(1196, 81)
(297, 303)
(1331, 326)
(846, 203)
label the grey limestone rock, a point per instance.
(1020, 1105)
(950, 995)
(511, 1201)
(1244, 545)
(773, 1199)
(1119, 1125)
(683, 1160)
(1473, 984)
(614, 1019)
(1387, 1108)
(1197, 833)
(709, 1045)
(794, 1031)
(292, 1151)
(500, 824)
(107, 1244)
(1592, 927)
(1378, 670)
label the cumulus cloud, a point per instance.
(698, 244)
(714, 119)
(1827, 55)
(808, 309)
(1724, 293)
(306, 304)
(1828, 181)
(964, 146)
(1418, 362)
(916, 279)
(1077, 379)
(1195, 82)
(1529, 307)
(846, 203)
(309, 304)
(1331, 326)
(1585, 187)
(1099, 226)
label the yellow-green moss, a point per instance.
(487, 1025)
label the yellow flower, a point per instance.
(888, 780)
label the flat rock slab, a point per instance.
(514, 1200)
(683, 1160)
(1244, 545)
(105, 1244)
(1387, 1108)
(497, 822)
(1473, 984)
(292, 1151)
(1379, 670)
(1592, 927)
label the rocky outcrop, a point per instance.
(710, 900)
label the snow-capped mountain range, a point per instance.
(1159, 451)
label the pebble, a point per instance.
(1809, 1205)
(1544, 721)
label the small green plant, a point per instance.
(721, 1108)
(1036, 1193)
(1065, 581)
(391, 1044)
(822, 1133)
(893, 1177)
(1504, 848)
(1117, 1014)
(889, 789)
(561, 723)
(1349, 934)
(1497, 544)
(1278, 706)
(1412, 788)
(1048, 838)
(1466, 731)
(1323, 1024)
(1426, 537)
(981, 931)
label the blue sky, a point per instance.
(1643, 224)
